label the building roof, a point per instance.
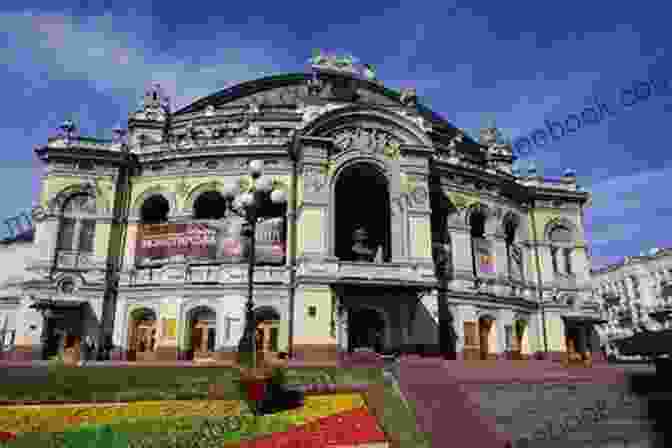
(379, 94)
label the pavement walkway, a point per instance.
(445, 410)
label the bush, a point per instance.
(101, 435)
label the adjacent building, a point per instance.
(630, 291)
(390, 211)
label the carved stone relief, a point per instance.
(397, 206)
(409, 97)
(275, 97)
(366, 140)
(419, 195)
(314, 180)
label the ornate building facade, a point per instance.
(393, 215)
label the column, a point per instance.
(505, 318)
(119, 340)
(501, 262)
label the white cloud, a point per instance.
(630, 208)
(111, 58)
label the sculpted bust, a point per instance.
(360, 250)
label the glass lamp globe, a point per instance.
(264, 184)
(230, 191)
(256, 168)
(278, 196)
(246, 199)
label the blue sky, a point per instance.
(470, 61)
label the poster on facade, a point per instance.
(485, 256)
(219, 240)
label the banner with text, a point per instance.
(219, 240)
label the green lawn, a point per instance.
(169, 383)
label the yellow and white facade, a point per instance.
(447, 220)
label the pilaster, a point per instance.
(547, 275)
(313, 229)
(461, 250)
(501, 261)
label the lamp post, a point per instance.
(251, 205)
(116, 245)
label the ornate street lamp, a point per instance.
(252, 204)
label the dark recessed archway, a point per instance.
(362, 199)
(366, 329)
(210, 205)
(154, 210)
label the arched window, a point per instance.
(154, 210)
(562, 241)
(478, 242)
(78, 224)
(209, 205)
(362, 214)
(514, 253)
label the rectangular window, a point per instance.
(67, 234)
(86, 235)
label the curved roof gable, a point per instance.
(371, 92)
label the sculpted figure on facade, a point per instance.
(365, 140)
(408, 97)
(360, 250)
(314, 180)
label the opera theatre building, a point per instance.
(374, 220)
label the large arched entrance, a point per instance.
(202, 332)
(366, 329)
(267, 324)
(362, 201)
(142, 335)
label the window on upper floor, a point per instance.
(210, 205)
(514, 253)
(154, 210)
(78, 224)
(562, 241)
(481, 256)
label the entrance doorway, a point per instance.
(366, 329)
(203, 324)
(267, 329)
(142, 335)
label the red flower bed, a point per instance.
(343, 429)
(6, 436)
